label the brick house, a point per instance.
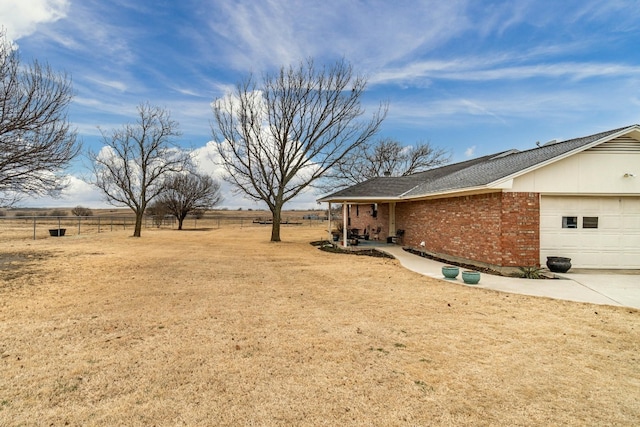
(578, 198)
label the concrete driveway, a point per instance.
(609, 287)
(622, 287)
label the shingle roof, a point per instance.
(469, 174)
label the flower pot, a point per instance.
(471, 277)
(558, 264)
(56, 232)
(450, 271)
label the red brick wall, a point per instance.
(361, 218)
(520, 229)
(500, 229)
(466, 227)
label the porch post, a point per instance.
(330, 238)
(345, 219)
(392, 218)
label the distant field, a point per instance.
(30, 223)
(220, 327)
(244, 213)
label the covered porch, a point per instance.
(368, 222)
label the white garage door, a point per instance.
(595, 232)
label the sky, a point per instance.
(473, 77)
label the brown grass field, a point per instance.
(221, 327)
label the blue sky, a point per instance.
(471, 76)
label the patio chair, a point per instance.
(397, 239)
(376, 233)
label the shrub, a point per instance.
(531, 272)
(197, 214)
(81, 211)
(157, 211)
(59, 212)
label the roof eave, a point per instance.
(358, 199)
(497, 183)
(481, 189)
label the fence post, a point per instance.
(58, 226)
(34, 227)
(79, 225)
(98, 224)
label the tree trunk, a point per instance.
(180, 221)
(275, 226)
(138, 228)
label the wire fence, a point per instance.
(40, 227)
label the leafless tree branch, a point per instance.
(131, 168)
(275, 139)
(384, 156)
(187, 193)
(36, 139)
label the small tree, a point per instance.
(189, 193)
(81, 211)
(36, 140)
(157, 210)
(135, 160)
(276, 139)
(385, 156)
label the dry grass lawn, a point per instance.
(221, 327)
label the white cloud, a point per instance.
(208, 161)
(276, 32)
(109, 84)
(497, 69)
(469, 152)
(498, 109)
(21, 17)
(78, 192)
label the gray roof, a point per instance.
(473, 173)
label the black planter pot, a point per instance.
(57, 232)
(558, 264)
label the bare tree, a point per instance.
(81, 211)
(384, 157)
(131, 167)
(276, 139)
(36, 140)
(157, 211)
(188, 193)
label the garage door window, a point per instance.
(569, 222)
(590, 222)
